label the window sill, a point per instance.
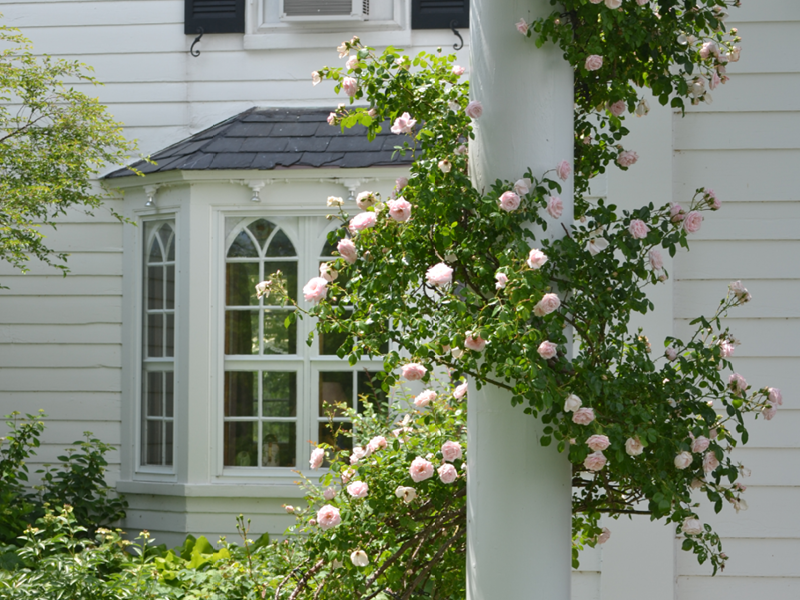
(377, 38)
(284, 489)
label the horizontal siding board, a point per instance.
(47, 454)
(66, 310)
(85, 237)
(753, 130)
(705, 588)
(761, 338)
(57, 285)
(753, 558)
(762, 461)
(585, 585)
(746, 259)
(79, 263)
(764, 11)
(775, 372)
(108, 13)
(771, 514)
(101, 379)
(59, 405)
(61, 355)
(744, 92)
(771, 298)
(101, 333)
(762, 47)
(716, 228)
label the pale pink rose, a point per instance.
(713, 434)
(350, 86)
(709, 48)
(656, 260)
(697, 484)
(737, 384)
(347, 249)
(439, 275)
(643, 108)
(420, 469)
(595, 1)
(366, 199)
(447, 473)
(613, 4)
(460, 391)
(642, 2)
(462, 149)
(474, 110)
(598, 442)
(692, 222)
(317, 456)
(583, 416)
(359, 558)
(740, 487)
(328, 273)
(738, 290)
(362, 221)
(400, 209)
(676, 213)
(604, 536)
(358, 453)
(617, 108)
(288, 508)
(351, 63)
(315, 290)
(315, 77)
(563, 170)
(769, 412)
(671, 353)
(692, 526)
(546, 305)
(523, 186)
(555, 207)
(476, 343)
(715, 81)
(501, 279)
(700, 444)
(627, 158)
(377, 443)
(775, 396)
(404, 124)
(509, 201)
(712, 199)
(372, 113)
(347, 474)
(638, 229)
(710, 462)
(328, 516)
(595, 461)
(445, 166)
(451, 451)
(597, 243)
(458, 71)
(425, 398)
(547, 350)
(400, 183)
(536, 259)
(358, 489)
(683, 460)
(726, 348)
(331, 118)
(633, 446)
(572, 403)
(413, 371)
(593, 62)
(406, 494)
(522, 26)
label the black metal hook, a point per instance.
(192, 51)
(453, 24)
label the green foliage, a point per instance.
(53, 139)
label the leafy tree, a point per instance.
(52, 140)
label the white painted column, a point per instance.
(518, 493)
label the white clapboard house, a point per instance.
(149, 342)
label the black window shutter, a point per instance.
(439, 14)
(214, 16)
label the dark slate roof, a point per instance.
(275, 138)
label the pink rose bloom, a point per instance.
(633, 446)
(366, 199)
(502, 280)
(598, 442)
(315, 290)
(737, 384)
(358, 489)
(331, 118)
(460, 391)
(377, 443)
(317, 456)
(328, 516)
(400, 183)
(642, 2)
(439, 275)
(638, 229)
(458, 71)
(509, 201)
(692, 527)
(604, 536)
(563, 170)
(713, 201)
(572, 403)
(547, 350)
(329, 494)
(451, 451)
(424, 398)
(617, 108)
(404, 124)
(671, 353)
(420, 469)
(613, 4)
(700, 444)
(328, 273)
(523, 186)
(546, 305)
(683, 460)
(726, 348)
(593, 62)
(656, 260)
(400, 209)
(362, 221)
(536, 258)
(715, 80)
(710, 462)
(350, 86)
(555, 207)
(522, 27)
(775, 397)
(462, 149)
(476, 343)
(627, 158)
(583, 416)
(595, 461)
(769, 413)
(474, 110)
(738, 290)
(359, 558)
(372, 113)
(347, 474)
(347, 249)
(692, 222)
(413, 371)
(351, 62)
(447, 473)
(358, 453)
(676, 213)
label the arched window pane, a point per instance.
(156, 255)
(280, 246)
(242, 246)
(261, 230)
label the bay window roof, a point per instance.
(276, 138)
